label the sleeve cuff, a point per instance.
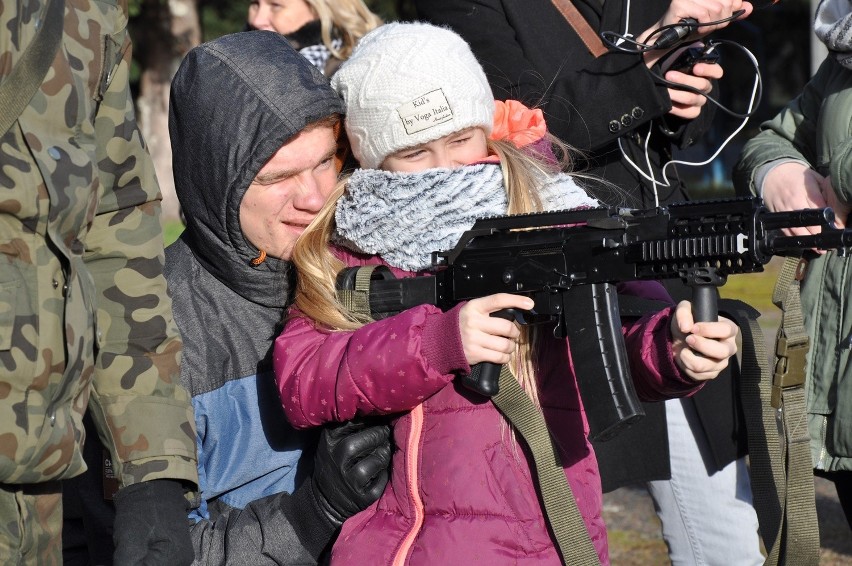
(442, 346)
(314, 529)
(762, 171)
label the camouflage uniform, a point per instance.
(84, 312)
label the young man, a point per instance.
(254, 129)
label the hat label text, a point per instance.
(425, 111)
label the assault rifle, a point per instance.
(568, 262)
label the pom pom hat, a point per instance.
(407, 84)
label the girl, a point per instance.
(324, 31)
(419, 115)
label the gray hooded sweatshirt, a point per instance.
(234, 102)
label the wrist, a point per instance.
(310, 521)
(321, 505)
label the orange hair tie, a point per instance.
(514, 122)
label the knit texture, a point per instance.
(833, 25)
(404, 217)
(407, 84)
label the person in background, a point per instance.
(421, 123)
(802, 158)
(86, 323)
(625, 124)
(250, 177)
(324, 31)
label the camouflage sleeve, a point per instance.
(144, 417)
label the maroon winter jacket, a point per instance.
(461, 489)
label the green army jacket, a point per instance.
(85, 317)
(815, 128)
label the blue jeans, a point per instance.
(708, 518)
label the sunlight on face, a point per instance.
(289, 190)
(450, 151)
(283, 16)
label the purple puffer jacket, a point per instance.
(461, 489)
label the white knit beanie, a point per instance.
(410, 83)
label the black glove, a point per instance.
(350, 468)
(151, 525)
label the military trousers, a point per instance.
(31, 524)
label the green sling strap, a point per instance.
(357, 300)
(19, 87)
(782, 487)
(560, 507)
(789, 399)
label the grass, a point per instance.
(171, 230)
(754, 288)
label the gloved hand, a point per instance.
(151, 525)
(350, 468)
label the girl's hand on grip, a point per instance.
(702, 349)
(486, 338)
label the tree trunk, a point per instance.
(164, 32)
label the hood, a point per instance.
(234, 102)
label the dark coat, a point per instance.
(530, 52)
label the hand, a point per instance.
(151, 525)
(486, 338)
(701, 349)
(686, 104)
(351, 468)
(701, 10)
(794, 185)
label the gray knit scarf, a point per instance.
(833, 25)
(404, 217)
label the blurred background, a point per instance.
(780, 37)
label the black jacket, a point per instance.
(531, 53)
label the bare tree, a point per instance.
(163, 32)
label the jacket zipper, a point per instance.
(823, 451)
(412, 456)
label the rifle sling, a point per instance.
(569, 529)
(779, 457)
(19, 87)
(789, 398)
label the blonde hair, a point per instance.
(350, 20)
(317, 267)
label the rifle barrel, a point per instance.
(796, 218)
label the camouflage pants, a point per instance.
(31, 524)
